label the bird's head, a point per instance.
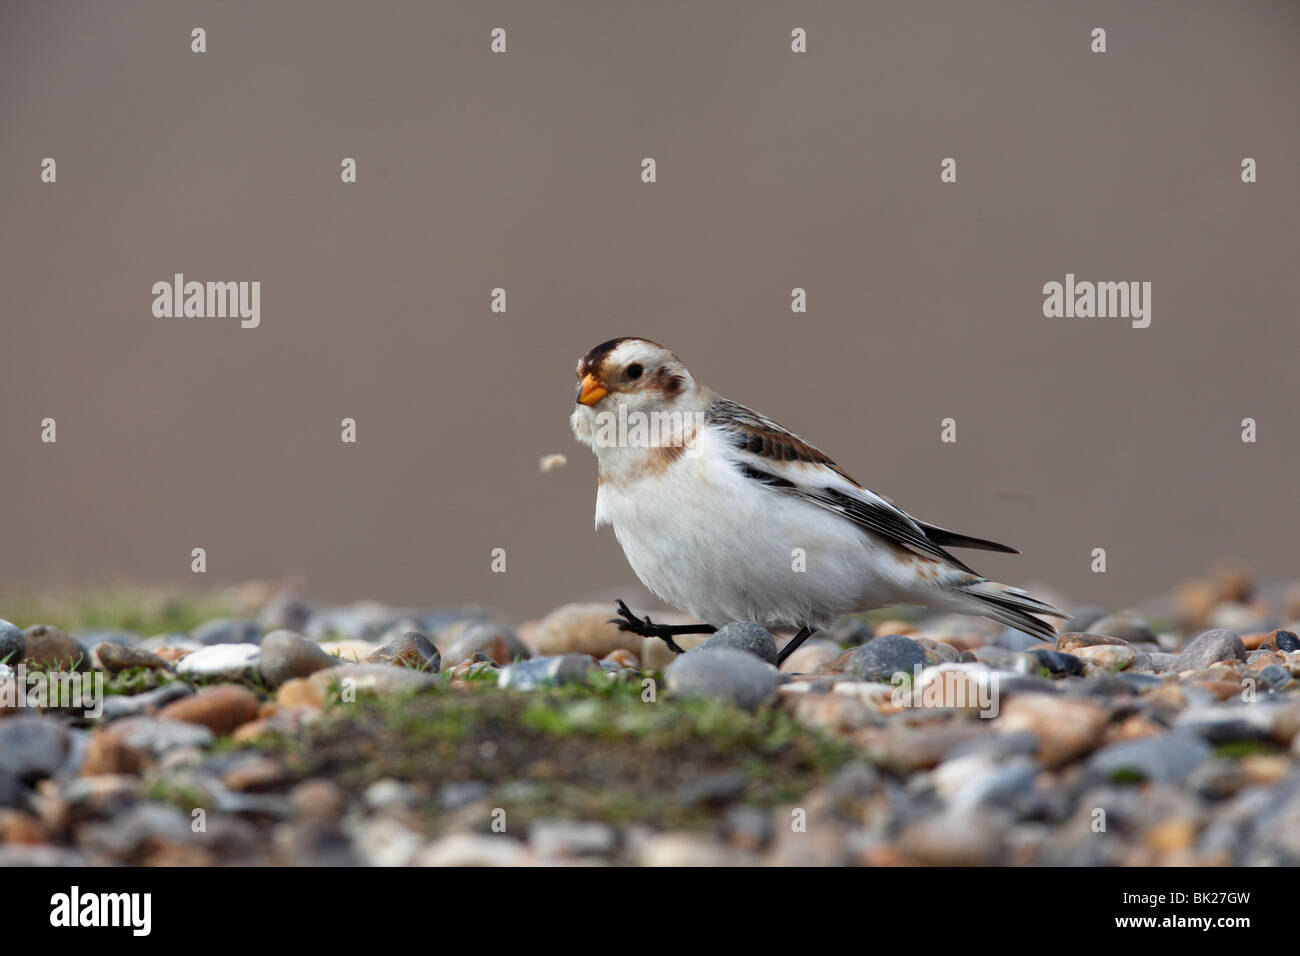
(630, 377)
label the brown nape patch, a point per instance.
(669, 383)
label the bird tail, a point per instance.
(1010, 606)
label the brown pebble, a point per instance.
(300, 692)
(19, 827)
(318, 800)
(106, 753)
(220, 709)
(623, 658)
(260, 774)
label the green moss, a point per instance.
(590, 752)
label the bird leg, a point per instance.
(792, 645)
(627, 621)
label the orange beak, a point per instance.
(591, 391)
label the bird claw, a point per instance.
(644, 627)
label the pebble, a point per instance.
(232, 661)
(551, 839)
(582, 629)
(622, 659)
(687, 849)
(1014, 640)
(495, 641)
(285, 655)
(411, 649)
(318, 799)
(1127, 627)
(50, 648)
(158, 736)
(13, 645)
(718, 788)
(1037, 659)
(1279, 640)
(548, 672)
(850, 632)
(734, 676)
(1209, 648)
(1072, 643)
(1167, 759)
(882, 657)
(747, 636)
(472, 849)
(971, 838)
(108, 753)
(220, 709)
(1066, 728)
(117, 706)
(812, 655)
(284, 612)
(228, 631)
(31, 746)
(1106, 658)
(114, 657)
(1226, 724)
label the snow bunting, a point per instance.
(729, 516)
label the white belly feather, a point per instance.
(706, 538)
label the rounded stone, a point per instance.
(114, 657)
(731, 675)
(412, 650)
(13, 644)
(581, 629)
(286, 655)
(850, 632)
(220, 709)
(883, 657)
(1210, 648)
(495, 641)
(50, 648)
(748, 636)
(1126, 627)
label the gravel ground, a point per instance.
(286, 733)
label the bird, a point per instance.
(728, 516)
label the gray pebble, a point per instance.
(496, 641)
(879, 659)
(851, 631)
(1209, 648)
(31, 747)
(228, 631)
(746, 636)
(286, 655)
(1014, 640)
(731, 675)
(117, 706)
(13, 645)
(1167, 759)
(158, 736)
(1127, 627)
(548, 672)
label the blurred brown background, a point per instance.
(776, 170)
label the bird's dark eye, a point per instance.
(634, 371)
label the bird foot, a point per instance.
(627, 621)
